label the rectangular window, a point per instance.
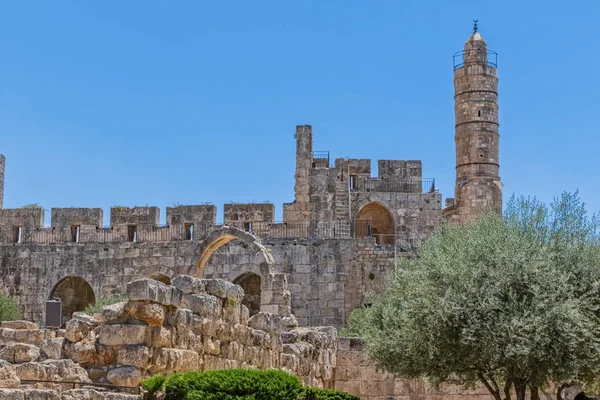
(75, 231)
(353, 182)
(132, 233)
(17, 232)
(248, 226)
(189, 231)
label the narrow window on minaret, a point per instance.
(479, 113)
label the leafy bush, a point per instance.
(102, 302)
(9, 309)
(237, 384)
(327, 394)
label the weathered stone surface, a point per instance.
(120, 335)
(135, 356)
(8, 375)
(93, 394)
(78, 329)
(54, 348)
(67, 370)
(151, 313)
(115, 313)
(11, 394)
(204, 305)
(189, 285)
(158, 292)
(40, 394)
(18, 325)
(124, 376)
(83, 317)
(18, 353)
(267, 322)
(84, 351)
(174, 360)
(223, 289)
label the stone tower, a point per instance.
(2, 161)
(478, 187)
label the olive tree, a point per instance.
(512, 302)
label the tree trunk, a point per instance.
(535, 394)
(507, 387)
(520, 389)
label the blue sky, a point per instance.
(147, 102)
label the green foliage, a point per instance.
(511, 302)
(327, 394)
(102, 302)
(237, 384)
(9, 309)
(153, 385)
(33, 206)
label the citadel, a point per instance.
(339, 239)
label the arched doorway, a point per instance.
(251, 284)
(237, 256)
(75, 293)
(374, 219)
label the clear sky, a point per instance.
(154, 103)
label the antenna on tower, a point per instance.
(475, 21)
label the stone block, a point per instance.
(151, 313)
(41, 394)
(223, 289)
(136, 356)
(11, 394)
(122, 335)
(204, 305)
(67, 370)
(18, 325)
(53, 348)
(115, 313)
(158, 292)
(18, 353)
(78, 329)
(84, 351)
(264, 321)
(189, 285)
(8, 375)
(174, 360)
(124, 376)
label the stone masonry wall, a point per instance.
(194, 325)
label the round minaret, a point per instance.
(478, 187)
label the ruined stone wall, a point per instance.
(356, 374)
(327, 278)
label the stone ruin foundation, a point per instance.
(193, 324)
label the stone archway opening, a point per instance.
(75, 293)
(251, 283)
(375, 220)
(237, 256)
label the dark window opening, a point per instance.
(353, 182)
(479, 113)
(75, 232)
(132, 233)
(248, 227)
(16, 234)
(189, 231)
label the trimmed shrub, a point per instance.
(236, 384)
(9, 309)
(102, 302)
(327, 394)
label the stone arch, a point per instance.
(75, 293)
(274, 294)
(220, 237)
(163, 275)
(375, 219)
(251, 283)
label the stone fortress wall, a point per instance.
(339, 238)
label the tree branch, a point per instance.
(495, 393)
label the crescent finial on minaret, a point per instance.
(475, 21)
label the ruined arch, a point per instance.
(251, 283)
(75, 293)
(251, 257)
(220, 237)
(375, 219)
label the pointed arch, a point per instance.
(375, 220)
(75, 293)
